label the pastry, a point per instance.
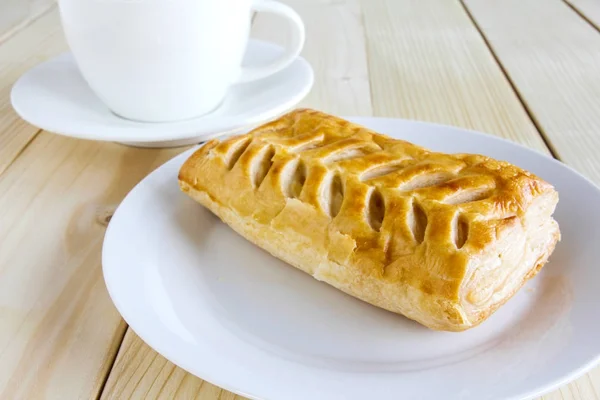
(443, 239)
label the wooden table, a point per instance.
(526, 70)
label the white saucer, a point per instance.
(230, 313)
(55, 97)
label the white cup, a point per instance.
(167, 60)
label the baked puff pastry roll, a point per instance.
(443, 239)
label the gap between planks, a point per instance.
(111, 363)
(524, 104)
(25, 49)
(21, 150)
(26, 22)
(572, 4)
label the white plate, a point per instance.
(55, 97)
(231, 314)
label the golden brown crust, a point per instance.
(443, 239)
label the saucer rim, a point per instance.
(169, 134)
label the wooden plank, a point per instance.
(552, 59)
(336, 50)
(137, 363)
(589, 9)
(335, 47)
(40, 41)
(17, 14)
(59, 331)
(428, 62)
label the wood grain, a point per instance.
(589, 9)
(40, 41)
(59, 331)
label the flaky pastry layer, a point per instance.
(442, 239)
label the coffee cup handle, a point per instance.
(291, 52)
